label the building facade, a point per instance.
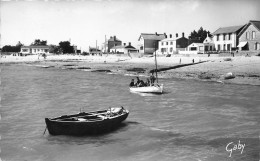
(249, 37)
(124, 49)
(172, 45)
(113, 41)
(94, 51)
(226, 38)
(148, 43)
(35, 49)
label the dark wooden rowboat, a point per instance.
(87, 123)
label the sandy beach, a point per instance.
(245, 69)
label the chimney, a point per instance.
(124, 44)
(165, 35)
(156, 33)
(129, 43)
(176, 35)
(183, 34)
(170, 35)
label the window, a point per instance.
(218, 47)
(171, 43)
(193, 48)
(255, 46)
(166, 43)
(25, 50)
(229, 36)
(224, 47)
(217, 37)
(162, 43)
(253, 34)
(171, 49)
(247, 35)
(258, 46)
(224, 37)
(141, 48)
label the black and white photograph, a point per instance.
(129, 80)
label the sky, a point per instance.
(85, 22)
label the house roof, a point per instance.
(196, 44)
(123, 47)
(254, 23)
(36, 46)
(92, 49)
(118, 47)
(226, 30)
(129, 47)
(169, 39)
(208, 40)
(114, 39)
(152, 36)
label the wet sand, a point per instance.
(245, 69)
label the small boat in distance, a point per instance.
(153, 87)
(90, 123)
(148, 89)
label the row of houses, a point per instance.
(245, 37)
(227, 39)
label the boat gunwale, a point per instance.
(88, 121)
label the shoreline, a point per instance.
(245, 69)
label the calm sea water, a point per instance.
(192, 120)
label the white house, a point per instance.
(124, 49)
(172, 45)
(200, 48)
(226, 38)
(35, 49)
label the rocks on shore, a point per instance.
(138, 70)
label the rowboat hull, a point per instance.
(64, 125)
(148, 89)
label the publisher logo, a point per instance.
(232, 147)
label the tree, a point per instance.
(65, 47)
(9, 48)
(198, 36)
(39, 42)
(54, 49)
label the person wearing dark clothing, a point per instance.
(138, 81)
(147, 82)
(152, 78)
(132, 84)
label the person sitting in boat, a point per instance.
(132, 84)
(139, 83)
(147, 82)
(152, 78)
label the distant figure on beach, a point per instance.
(152, 78)
(44, 56)
(132, 84)
(180, 60)
(192, 60)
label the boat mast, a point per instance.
(155, 63)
